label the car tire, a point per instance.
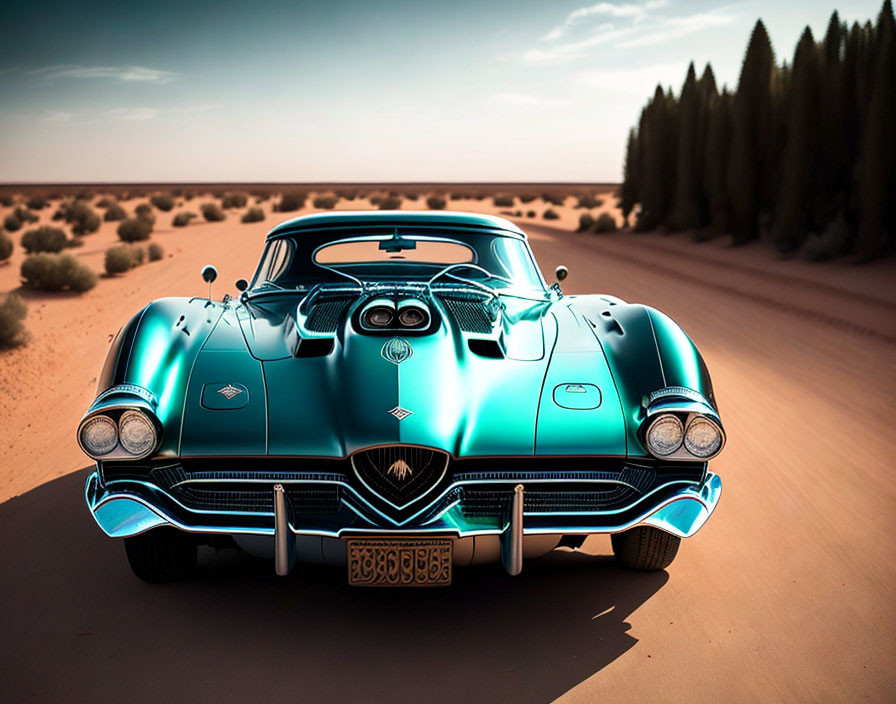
(645, 548)
(161, 555)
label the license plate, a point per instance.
(406, 562)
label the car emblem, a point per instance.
(229, 391)
(400, 413)
(397, 350)
(400, 469)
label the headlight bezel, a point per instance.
(691, 409)
(114, 414)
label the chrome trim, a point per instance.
(512, 537)
(129, 389)
(284, 533)
(415, 499)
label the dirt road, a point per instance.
(788, 593)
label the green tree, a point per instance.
(686, 210)
(715, 167)
(751, 165)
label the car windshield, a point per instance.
(404, 254)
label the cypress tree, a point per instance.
(751, 164)
(715, 166)
(686, 210)
(630, 186)
(798, 168)
(877, 182)
(708, 95)
(657, 159)
(833, 172)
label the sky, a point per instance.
(357, 91)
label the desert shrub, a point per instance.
(57, 272)
(104, 203)
(25, 215)
(605, 223)
(390, 202)
(162, 201)
(458, 196)
(122, 258)
(82, 218)
(36, 202)
(527, 197)
(84, 195)
(503, 201)
(114, 213)
(183, 219)
(59, 213)
(12, 223)
(155, 252)
(253, 215)
(552, 199)
(550, 215)
(212, 212)
(375, 199)
(145, 213)
(291, 201)
(411, 196)
(44, 239)
(436, 203)
(134, 230)
(586, 222)
(531, 214)
(6, 200)
(234, 200)
(12, 312)
(5, 246)
(324, 202)
(589, 202)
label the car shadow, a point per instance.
(76, 624)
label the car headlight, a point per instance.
(664, 435)
(136, 431)
(703, 438)
(99, 435)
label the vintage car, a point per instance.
(400, 393)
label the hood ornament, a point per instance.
(400, 469)
(399, 412)
(229, 391)
(397, 350)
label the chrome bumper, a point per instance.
(123, 509)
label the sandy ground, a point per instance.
(786, 595)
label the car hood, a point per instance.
(550, 392)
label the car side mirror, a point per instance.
(561, 272)
(241, 284)
(209, 274)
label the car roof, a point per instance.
(398, 218)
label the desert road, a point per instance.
(787, 594)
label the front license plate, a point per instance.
(408, 562)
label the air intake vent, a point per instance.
(473, 312)
(326, 313)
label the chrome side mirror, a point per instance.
(561, 272)
(241, 284)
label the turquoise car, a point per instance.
(400, 393)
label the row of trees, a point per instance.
(804, 154)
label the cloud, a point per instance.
(132, 113)
(602, 9)
(677, 27)
(603, 34)
(128, 74)
(527, 100)
(55, 116)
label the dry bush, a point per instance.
(25, 215)
(36, 202)
(503, 201)
(145, 213)
(57, 272)
(325, 202)
(122, 258)
(552, 199)
(183, 219)
(531, 214)
(104, 203)
(390, 202)
(412, 196)
(550, 215)
(527, 197)
(6, 200)
(347, 195)
(44, 239)
(234, 200)
(82, 218)
(12, 312)
(155, 252)
(162, 201)
(134, 230)
(586, 222)
(5, 246)
(114, 213)
(294, 200)
(436, 202)
(587, 201)
(253, 215)
(605, 223)
(212, 212)
(12, 223)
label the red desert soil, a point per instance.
(788, 594)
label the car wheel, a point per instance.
(161, 555)
(645, 548)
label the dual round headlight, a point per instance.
(136, 433)
(703, 438)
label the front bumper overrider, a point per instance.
(129, 507)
